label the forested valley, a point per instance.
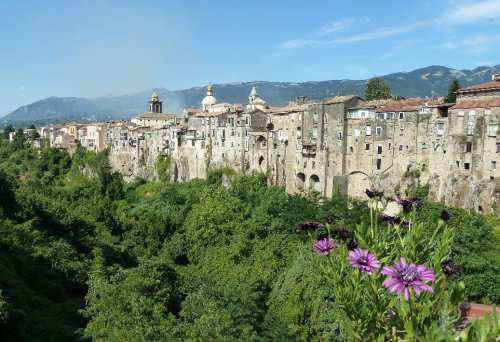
(86, 256)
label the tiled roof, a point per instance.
(372, 104)
(339, 99)
(476, 104)
(407, 105)
(288, 109)
(484, 86)
(157, 116)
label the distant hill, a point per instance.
(432, 80)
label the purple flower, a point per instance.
(407, 204)
(325, 246)
(445, 215)
(352, 244)
(405, 276)
(393, 220)
(374, 194)
(365, 261)
(308, 226)
(344, 234)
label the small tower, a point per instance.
(155, 104)
(255, 102)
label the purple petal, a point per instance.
(407, 293)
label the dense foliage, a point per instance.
(84, 256)
(377, 89)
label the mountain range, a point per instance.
(425, 82)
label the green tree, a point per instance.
(6, 130)
(452, 91)
(377, 89)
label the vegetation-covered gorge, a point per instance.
(85, 256)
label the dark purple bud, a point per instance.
(445, 215)
(374, 194)
(344, 234)
(352, 244)
(307, 226)
(450, 269)
(330, 219)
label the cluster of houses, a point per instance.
(341, 143)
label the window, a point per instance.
(401, 147)
(222, 155)
(367, 147)
(232, 132)
(401, 130)
(325, 118)
(458, 163)
(339, 135)
(389, 147)
(379, 149)
(467, 166)
(401, 115)
(351, 149)
(315, 118)
(487, 111)
(380, 116)
(470, 127)
(390, 116)
(299, 133)
(314, 132)
(498, 147)
(305, 163)
(468, 147)
(440, 127)
(472, 112)
(368, 130)
(379, 164)
(493, 165)
(461, 112)
(313, 164)
(492, 129)
(378, 131)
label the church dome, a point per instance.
(209, 100)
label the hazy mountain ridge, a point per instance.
(428, 81)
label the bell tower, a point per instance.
(155, 104)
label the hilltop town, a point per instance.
(341, 143)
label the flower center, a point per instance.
(363, 260)
(409, 274)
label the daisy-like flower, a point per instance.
(352, 244)
(405, 276)
(325, 246)
(365, 261)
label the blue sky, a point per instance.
(102, 47)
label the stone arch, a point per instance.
(300, 180)
(357, 183)
(261, 141)
(314, 183)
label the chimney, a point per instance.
(495, 77)
(301, 100)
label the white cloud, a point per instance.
(335, 26)
(473, 11)
(366, 36)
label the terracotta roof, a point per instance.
(57, 126)
(484, 86)
(408, 105)
(288, 109)
(137, 127)
(339, 99)
(157, 116)
(372, 104)
(476, 104)
(193, 110)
